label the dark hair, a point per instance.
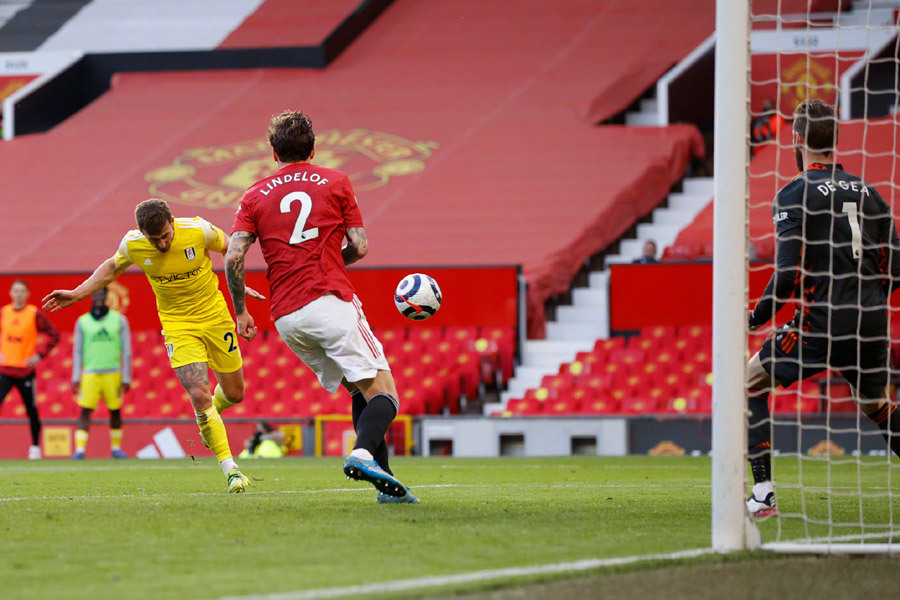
(816, 122)
(152, 215)
(291, 136)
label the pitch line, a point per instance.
(402, 585)
(256, 492)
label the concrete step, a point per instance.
(692, 202)
(698, 185)
(663, 235)
(599, 279)
(672, 216)
(577, 331)
(544, 351)
(641, 119)
(581, 313)
(649, 105)
(590, 297)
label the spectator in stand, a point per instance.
(649, 254)
(20, 324)
(266, 442)
(765, 126)
(101, 366)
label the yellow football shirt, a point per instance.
(187, 290)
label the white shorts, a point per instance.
(334, 339)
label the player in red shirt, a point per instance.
(301, 215)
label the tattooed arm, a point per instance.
(234, 275)
(357, 245)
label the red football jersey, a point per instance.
(300, 215)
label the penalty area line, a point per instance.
(402, 585)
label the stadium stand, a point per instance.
(610, 176)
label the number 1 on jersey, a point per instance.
(300, 235)
(849, 209)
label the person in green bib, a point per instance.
(101, 366)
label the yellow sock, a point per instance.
(81, 438)
(115, 439)
(220, 401)
(212, 430)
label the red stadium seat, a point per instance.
(609, 345)
(411, 402)
(600, 405)
(636, 405)
(680, 405)
(427, 337)
(563, 405)
(628, 357)
(665, 334)
(557, 383)
(540, 394)
(524, 406)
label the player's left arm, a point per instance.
(125, 339)
(357, 245)
(44, 325)
(788, 251)
(237, 287)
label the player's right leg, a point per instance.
(357, 405)
(188, 354)
(111, 384)
(334, 339)
(759, 440)
(194, 378)
(88, 398)
(870, 383)
(25, 385)
(81, 432)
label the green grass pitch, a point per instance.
(167, 529)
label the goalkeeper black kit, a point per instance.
(838, 255)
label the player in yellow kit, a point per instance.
(197, 325)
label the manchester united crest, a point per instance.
(216, 177)
(806, 78)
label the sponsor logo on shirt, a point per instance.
(176, 276)
(780, 217)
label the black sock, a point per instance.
(888, 421)
(759, 438)
(374, 422)
(381, 452)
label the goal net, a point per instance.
(836, 481)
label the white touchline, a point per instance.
(401, 585)
(359, 489)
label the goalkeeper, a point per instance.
(838, 255)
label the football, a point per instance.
(417, 297)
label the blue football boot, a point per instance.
(368, 470)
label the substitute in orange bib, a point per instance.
(20, 324)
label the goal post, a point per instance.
(730, 274)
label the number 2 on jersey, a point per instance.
(849, 209)
(300, 235)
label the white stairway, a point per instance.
(578, 326)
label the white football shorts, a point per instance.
(334, 339)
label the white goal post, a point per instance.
(730, 274)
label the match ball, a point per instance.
(417, 297)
